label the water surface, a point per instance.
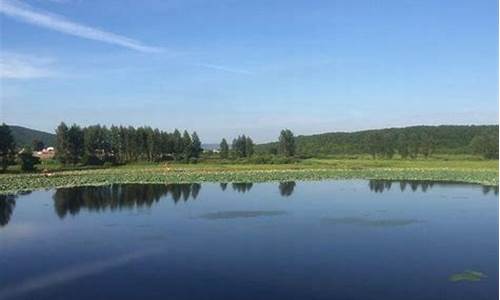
(291, 240)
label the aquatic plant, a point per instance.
(467, 275)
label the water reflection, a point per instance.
(7, 204)
(488, 189)
(99, 198)
(116, 197)
(379, 186)
(242, 187)
(286, 188)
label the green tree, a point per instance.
(75, 144)
(486, 146)
(196, 145)
(426, 144)
(249, 147)
(239, 146)
(7, 146)
(28, 161)
(187, 145)
(287, 143)
(177, 143)
(224, 149)
(402, 145)
(62, 143)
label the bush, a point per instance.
(28, 161)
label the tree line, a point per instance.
(244, 147)
(96, 144)
(408, 142)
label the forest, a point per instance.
(407, 142)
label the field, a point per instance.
(483, 172)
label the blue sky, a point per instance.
(224, 68)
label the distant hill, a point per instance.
(24, 136)
(448, 139)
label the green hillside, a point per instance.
(24, 136)
(446, 139)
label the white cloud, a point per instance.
(15, 66)
(27, 14)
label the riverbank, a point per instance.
(478, 172)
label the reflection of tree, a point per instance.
(223, 186)
(379, 186)
(242, 187)
(113, 197)
(487, 189)
(7, 204)
(286, 188)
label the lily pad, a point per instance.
(467, 275)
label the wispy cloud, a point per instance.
(29, 15)
(16, 66)
(225, 69)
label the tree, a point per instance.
(7, 147)
(177, 143)
(38, 145)
(75, 144)
(28, 161)
(224, 149)
(187, 145)
(403, 145)
(62, 143)
(373, 143)
(413, 145)
(287, 143)
(239, 146)
(486, 146)
(196, 145)
(249, 147)
(426, 144)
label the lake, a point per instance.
(352, 239)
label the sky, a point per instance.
(224, 68)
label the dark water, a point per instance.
(304, 240)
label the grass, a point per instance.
(454, 170)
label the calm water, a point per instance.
(303, 240)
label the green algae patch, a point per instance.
(467, 275)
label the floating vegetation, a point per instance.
(220, 215)
(10, 183)
(368, 222)
(467, 275)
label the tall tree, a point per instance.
(249, 147)
(287, 143)
(7, 146)
(62, 143)
(177, 143)
(196, 145)
(188, 145)
(224, 149)
(75, 144)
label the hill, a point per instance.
(446, 139)
(24, 136)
